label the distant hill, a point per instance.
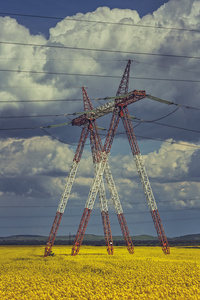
(189, 237)
(87, 237)
(22, 237)
(90, 239)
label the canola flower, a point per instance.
(94, 275)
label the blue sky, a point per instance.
(63, 8)
(34, 165)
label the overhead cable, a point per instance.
(81, 205)
(182, 219)
(100, 22)
(97, 214)
(68, 123)
(97, 50)
(93, 99)
(44, 100)
(98, 60)
(167, 125)
(98, 75)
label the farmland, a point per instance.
(148, 274)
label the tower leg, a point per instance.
(118, 209)
(67, 190)
(96, 147)
(53, 232)
(81, 231)
(107, 232)
(144, 180)
(160, 231)
(126, 234)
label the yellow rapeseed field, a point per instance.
(147, 274)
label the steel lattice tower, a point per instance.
(96, 147)
(119, 108)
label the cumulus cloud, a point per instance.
(170, 162)
(35, 156)
(39, 166)
(172, 172)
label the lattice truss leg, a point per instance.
(66, 192)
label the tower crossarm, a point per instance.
(109, 107)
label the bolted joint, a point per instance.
(121, 105)
(90, 126)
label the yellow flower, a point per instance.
(94, 275)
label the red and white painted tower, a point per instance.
(119, 109)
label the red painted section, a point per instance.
(52, 235)
(81, 231)
(125, 232)
(107, 232)
(160, 231)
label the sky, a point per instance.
(45, 61)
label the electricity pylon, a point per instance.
(117, 106)
(120, 111)
(96, 147)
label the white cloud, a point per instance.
(33, 156)
(171, 161)
(171, 170)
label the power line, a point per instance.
(34, 116)
(75, 99)
(64, 115)
(165, 141)
(157, 123)
(98, 75)
(35, 101)
(164, 67)
(82, 205)
(166, 125)
(100, 22)
(97, 50)
(119, 133)
(165, 116)
(55, 138)
(97, 225)
(97, 60)
(97, 214)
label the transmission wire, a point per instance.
(100, 22)
(97, 50)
